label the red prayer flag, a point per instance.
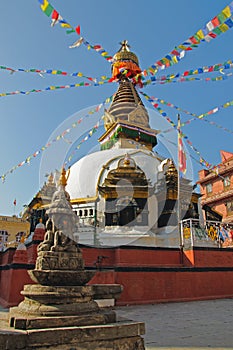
(215, 22)
(181, 152)
(78, 30)
(55, 15)
(15, 202)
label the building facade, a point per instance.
(217, 190)
(12, 231)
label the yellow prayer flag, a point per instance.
(174, 59)
(45, 5)
(66, 25)
(227, 12)
(223, 27)
(54, 71)
(182, 47)
(80, 74)
(52, 87)
(200, 34)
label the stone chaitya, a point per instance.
(60, 311)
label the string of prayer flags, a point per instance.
(186, 79)
(197, 71)
(196, 117)
(52, 88)
(57, 138)
(98, 48)
(202, 116)
(41, 72)
(88, 135)
(218, 25)
(156, 106)
(183, 77)
(202, 160)
(216, 109)
(50, 11)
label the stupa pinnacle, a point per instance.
(127, 120)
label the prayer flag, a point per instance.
(78, 30)
(181, 152)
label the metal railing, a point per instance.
(206, 233)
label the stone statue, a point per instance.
(48, 238)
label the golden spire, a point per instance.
(50, 179)
(126, 160)
(63, 178)
(125, 55)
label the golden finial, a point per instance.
(50, 179)
(63, 179)
(124, 46)
(126, 160)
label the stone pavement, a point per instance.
(187, 326)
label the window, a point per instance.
(229, 206)
(80, 213)
(4, 236)
(19, 236)
(226, 181)
(91, 212)
(209, 188)
(85, 212)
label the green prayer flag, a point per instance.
(217, 31)
(221, 17)
(49, 9)
(69, 31)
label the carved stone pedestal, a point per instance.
(60, 312)
(50, 306)
(68, 317)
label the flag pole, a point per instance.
(14, 203)
(178, 186)
(178, 172)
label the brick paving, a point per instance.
(196, 325)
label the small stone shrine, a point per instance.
(60, 311)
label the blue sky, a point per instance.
(153, 29)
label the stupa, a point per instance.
(117, 192)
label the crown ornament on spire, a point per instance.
(124, 46)
(126, 65)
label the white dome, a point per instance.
(91, 170)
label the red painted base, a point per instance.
(148, 275)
